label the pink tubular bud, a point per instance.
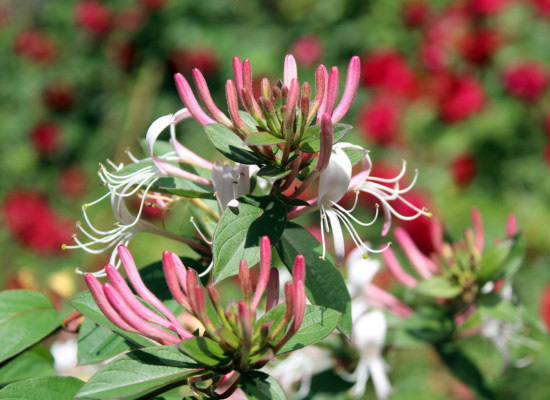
(233, 106)
(204, 94)
(299, 304)
(247, 82)
(352, 83)
(136, 306)
(299, 269)
(188, 98)
(321, 82)
(104, 305)
(146, 294)
(245, 318)
(291, 103)
(246, 284)
(272, 289)
(478, 229)
(379, 298)
(290, 70)
(265, 265)
(238, 72)
(422, 264)
(511, 226)
(289, 300)
(192, 280)
(436, 233)
(143, 327)
(169, 266)
(266, 88)
(326, 137)
(396, 270)
(332, 91)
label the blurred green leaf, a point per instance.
(50, 388)
(33, 363)
(260, 386)
(438, 287)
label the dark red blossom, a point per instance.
(46, 138)
(72, 181)
(479, 47)
(307, 50)
(131, 19)
(486, 7)
(463, 169)
(542, 7)
(415, 13)
(526, 80)
(93, 16)
(388, 70)
(204, 59)
(379, 121)
(35, 45)
(59, 95)
(458, 97)
(153, 4)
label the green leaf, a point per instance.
(262, 139)
(50, 388)
(355, 155)
(272, 173)
(205, 351)
(182, 187)
(324, 283)
(503, 259)
(249, 121)
(515, 257)
(33, 363)
(260, 386)
(239, 230)
(97, 344)
(438, 287)
(25, 318)
(317, 324)
(86, 305)
(312, 142)
(140, 372)
(430, 324)
(463, 368)
(230, 145)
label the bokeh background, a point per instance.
(458, 88)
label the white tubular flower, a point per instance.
(360, 271)
(364, 182)
(230, 183)
(333, 184)
(299, 368)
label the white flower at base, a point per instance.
(230, 183)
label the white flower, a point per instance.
(230, 183)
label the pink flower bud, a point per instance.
(204, 94)
(352, 83)
(188, 98)
(265, 264)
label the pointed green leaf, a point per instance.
(205, 351)
(262, 139)
(438, 287)
(238, 233)
(140, 372)
(311, 143)
(97, 344)
(50, 388)
(25, 318)
(272, 173)
(33, 363)
(324, 283)
(230, 145)
(260, 386)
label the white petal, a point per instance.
(360, 270)
(369, 333)
(380, 380)
(335, 179)
(337, 238)
(156, 129)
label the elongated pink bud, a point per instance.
(511, 226)
(321, 83)
(201, 305)
(272, 289)
(247, 82)
(238, 72)
(246, 323)
(204, 94)
(188, 98)
(379, 298)
(299, 269)
(137, 307)
(192, 280)
(146, 294)
(244, 277)
(169, 268)
(299, 304)
(143, 327)
(289, 300)
(352, 83)
(326, 137)
(188, 156)
(290, 70)
(291, 103)
(421, 263)
(233, 106)
(104, 305)
(265, 265)
(396, 270)
(171, 170)
(478, 229)
(436, 234)
(332, 91)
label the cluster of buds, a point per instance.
(283, 112)
(458, 266)
(247, 341)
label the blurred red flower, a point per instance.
(388, 70)
(478, 47)
(93, 16)
(35, 45)
(379, 120)
(154, 4)
(542, 7)
(415, 13)
(122, 53)
(59, 95)
(46, 138)
(72, 181)
(131, 19)
(29, 218)
(458, 96)
(463, 169)
(307, 50)
(434, 56)
(486, 7)
(184, 60)
(526, 80)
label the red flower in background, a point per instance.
(131, 19)
(72, 181)
(122, 53)
(29, 218)
(458, 97)
(415, 13)
(463, 169)
(545, 307)
(93, 16)
(307, 50)
(35, 45)
(46, 138)
(59, 95)
(434, 56)
(526, 81)
(154, 4)
(184, 60)
(542, 6)
(479, 47)
(486, 7)
(379, 121)
(387, 70)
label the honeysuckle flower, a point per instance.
(230, 183)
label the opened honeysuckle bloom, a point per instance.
(281, 164)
